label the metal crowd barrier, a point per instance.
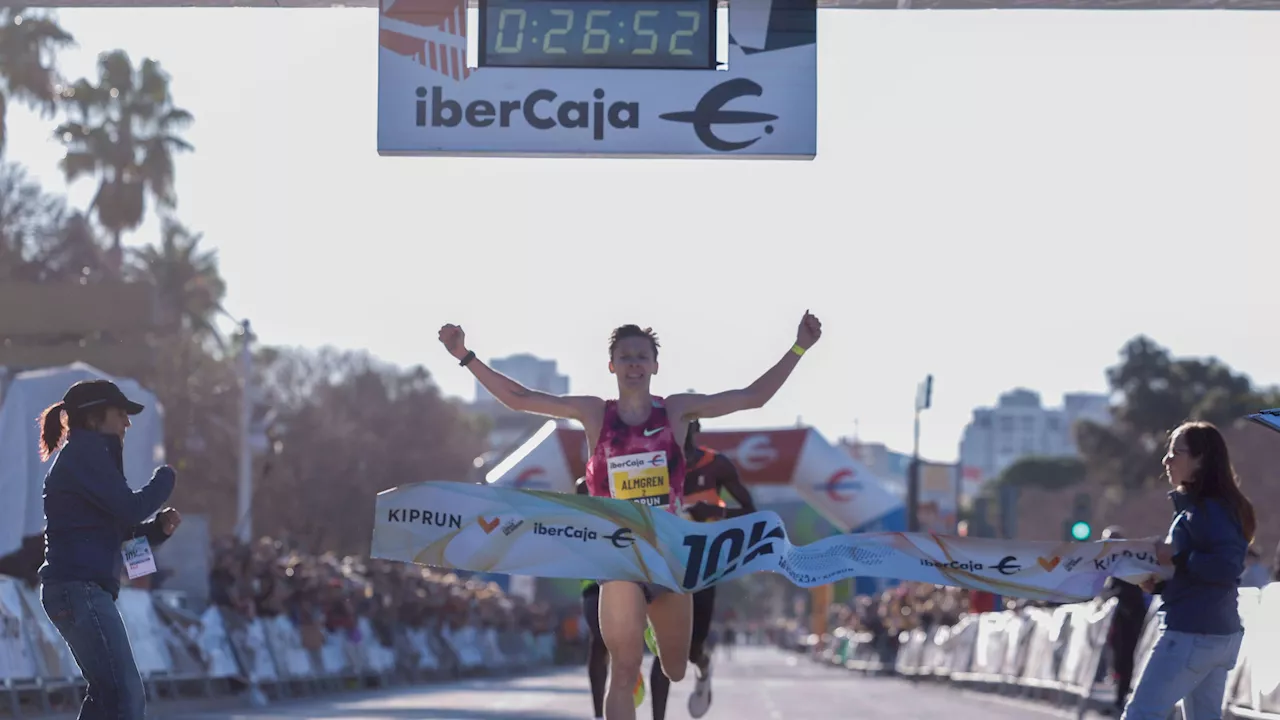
(221, 652)
(1058, 654)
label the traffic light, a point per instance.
(1078, 526)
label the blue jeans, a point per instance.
(1187, 667)
(87, 618)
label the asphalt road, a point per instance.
(756, 683)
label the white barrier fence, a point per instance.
(1058, 653)
(221, 649)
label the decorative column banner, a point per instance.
(554, 535)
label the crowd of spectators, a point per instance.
(908, 606)
(269, 578)
(882, 619)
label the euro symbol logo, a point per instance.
(710, 112)
(621, 538)
(1008, 566)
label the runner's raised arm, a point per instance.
(692, 406)
(512, 394)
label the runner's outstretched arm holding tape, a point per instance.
(691, 406)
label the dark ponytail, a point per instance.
(53, 428)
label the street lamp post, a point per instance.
(924, 399)
(244, 505)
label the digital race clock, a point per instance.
(648, 34)
(598, 78)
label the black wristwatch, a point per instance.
(467, 358)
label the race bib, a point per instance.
(138, 560)
(642, 478)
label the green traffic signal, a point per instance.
(1081, 530)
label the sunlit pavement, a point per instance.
(756, 683)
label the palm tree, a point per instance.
(31, 221)
(188, 284)
(75, 253)
(28, 41)
(124, 129)
(189, 290)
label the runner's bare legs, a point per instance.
(672, 618)
(622, 623)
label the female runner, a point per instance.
(637, 426)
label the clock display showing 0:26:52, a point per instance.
(675, 34)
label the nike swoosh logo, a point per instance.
(488, 525)
(651, 433)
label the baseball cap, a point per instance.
(94, 393)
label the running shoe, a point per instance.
(638, 693)
(700, 700)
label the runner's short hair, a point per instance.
(630, 331)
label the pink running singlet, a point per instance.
(641, 463)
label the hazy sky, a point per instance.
(1000, 198)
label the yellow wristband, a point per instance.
(797, 349)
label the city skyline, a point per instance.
(1020, 424)
(993, 205)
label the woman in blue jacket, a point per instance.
(90, 512)
(1200, 630)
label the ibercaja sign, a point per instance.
(604, 92)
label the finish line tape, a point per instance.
(554, 535)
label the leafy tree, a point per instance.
(1269, 398)
(1043, 473)
(76, 253)
(197, 386)
(349, 427)
(1157, 392)
(30, 223)
(124, 129)
(28, 41)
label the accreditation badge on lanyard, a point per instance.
(138, 558)
(642, 478)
